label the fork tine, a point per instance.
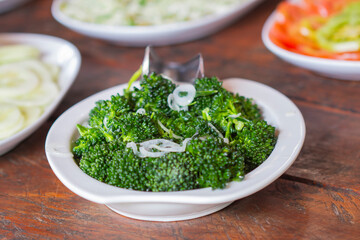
(151, 62)
(186, 72)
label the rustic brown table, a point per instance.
(317, 198)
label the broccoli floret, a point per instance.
(173, 172)
(114, 107)
(153, 94)
(256, 141)
(220, 106)
(126, 170)
(226, 137)
(247, 108)
(88, 137)
(132, 127)
(113, 163)
(214, 162)
(94, 162)
(183, 124)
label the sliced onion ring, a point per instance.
(141, 111)
(184, 100)
(162, 145)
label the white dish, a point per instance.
(172, 206)
(7, 5)
(56, 51)
(339, 69)
(154, 35)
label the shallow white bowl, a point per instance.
(339, 69)
(56, 51)
(7, 5)
(171, 206)
(154, 35)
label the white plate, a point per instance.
(56, 51)
(7, 5)
(172, 206)
(154, 35)
(339, 69)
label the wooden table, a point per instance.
(317, 198)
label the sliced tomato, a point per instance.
(295, 27)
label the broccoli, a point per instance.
(153, 94)
(114, 107)
(173, 172)
(256, 141)
(220, 106)
(222, 136)
(132, 127)
(214, 162)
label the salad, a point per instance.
(143, 12)
(319, 28)
(168, 137)
(27, 86)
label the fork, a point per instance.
(177, 72)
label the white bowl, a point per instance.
(7, 5)
(57, 51)
(339, 69)
(172, 206)
(154, 35)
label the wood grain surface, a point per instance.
(317, 198)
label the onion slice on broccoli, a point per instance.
(162, 146)
(182, 96)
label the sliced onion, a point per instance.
(350, 46)
(168, 149)
(105, 121)
(11, 120)
(217, 131)
(162, 142)
(174, 105)
(10, 114)
(234, 115)
(226, 140)
(184, 100)
(141, 111)
(37, 67)
(148, 153)
(133, 146)
(16, 81)
(26, 82)
(184, 143)
(17, 52)
(31, 114)
(162, 145)
(43, 95)
(171, 103)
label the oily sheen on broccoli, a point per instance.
(225, 137)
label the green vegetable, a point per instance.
(209, 160)
(342, 32)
